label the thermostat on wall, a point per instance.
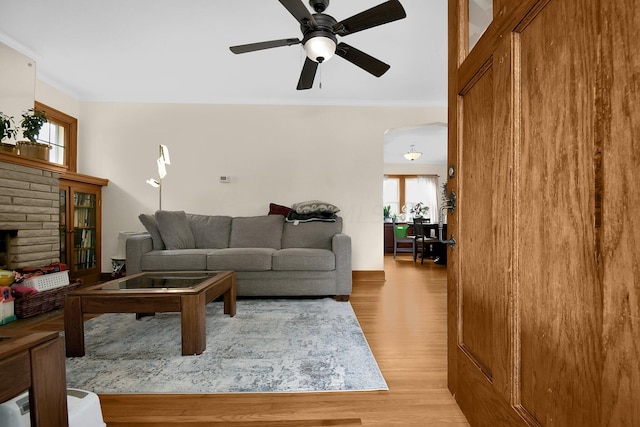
(225, 179)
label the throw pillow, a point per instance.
(175, 230)
(278, 209)
(313, 206)
(151, 225)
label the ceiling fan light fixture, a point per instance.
(320, 48)
(412, 154)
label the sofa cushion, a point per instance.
(175, 260)
(300, 259)
(151, 225)
(315, 234)
(175, 230)
(240, 259)
(257, 232)
(210, 231)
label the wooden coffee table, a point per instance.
(150, 292)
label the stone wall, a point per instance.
(30, 206)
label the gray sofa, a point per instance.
(271, 257)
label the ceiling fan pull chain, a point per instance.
(320, 70)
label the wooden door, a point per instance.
(544, 283)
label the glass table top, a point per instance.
(160, 281)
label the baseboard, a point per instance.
(368, 275)
(359, 275)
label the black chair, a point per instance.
(426, 241)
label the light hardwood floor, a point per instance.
(404, 320)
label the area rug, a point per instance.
(271, 345)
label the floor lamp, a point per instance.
(163, 161)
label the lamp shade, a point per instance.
(412, 154)
(320, 48)
(164, 153)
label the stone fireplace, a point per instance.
(29, 216)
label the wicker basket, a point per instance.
(43, 302)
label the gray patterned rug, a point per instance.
(271, 345)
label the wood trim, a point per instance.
(31, 162)
(87, 179)
(356, 275)
(368, 275)
(70, 123)
(456, 55)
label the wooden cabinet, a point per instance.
(34, 361)
(81, 225)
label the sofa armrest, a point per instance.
(136, 246)
(341, 245)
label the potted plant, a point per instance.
(386, 211)
(7, 131)
(32, 122)
(419, 209)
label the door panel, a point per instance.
(559, 291)
(621, 215)
(485, 254)
(477, 292)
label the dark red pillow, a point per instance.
(278, 209)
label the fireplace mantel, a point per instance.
(31, 162)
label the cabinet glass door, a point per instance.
(85, 228)
(63, 225)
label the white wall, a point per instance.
(280, 154)
(48, 95)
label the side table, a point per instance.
(35, 361)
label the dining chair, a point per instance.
(424, 239)
(400, 236)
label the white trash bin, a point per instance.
(83, 408)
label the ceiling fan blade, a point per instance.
(308, 74)
(362, 60)
(300, 12)
(252, 47)
(384, 13)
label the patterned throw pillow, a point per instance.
(315, 206)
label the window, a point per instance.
(402, 192)
(391, 194)
(61, 132)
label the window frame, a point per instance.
(402, 184)
(70, 124)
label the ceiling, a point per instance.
(178, 51)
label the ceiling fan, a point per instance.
(319, 39)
